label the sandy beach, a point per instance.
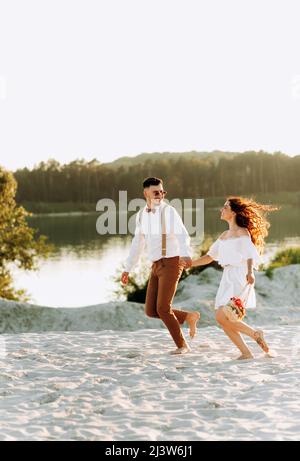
(121, 383)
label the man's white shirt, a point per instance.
(148, 232)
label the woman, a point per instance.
(238, 251)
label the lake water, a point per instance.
(81, 270)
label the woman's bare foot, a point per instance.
(192, 319)
(245, 357)
(259, 338)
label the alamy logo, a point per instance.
(117, 218)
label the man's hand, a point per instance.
(124, 278)
(186, 261)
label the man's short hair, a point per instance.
(152, 182)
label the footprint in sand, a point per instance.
(49, 398)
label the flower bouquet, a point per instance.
(235, 309)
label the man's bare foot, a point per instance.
(181, 350)
(245, 357)
(192, 319)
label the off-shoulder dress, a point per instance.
(232, 255)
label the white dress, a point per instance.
(232, 255)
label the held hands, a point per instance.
(124, 278)
(185, 261)
(250, 278)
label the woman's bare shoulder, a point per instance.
(243, 231)
(238, 233)
(223, 235)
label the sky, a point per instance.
(108, 78)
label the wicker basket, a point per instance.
(235, 309)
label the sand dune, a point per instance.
(278, 302)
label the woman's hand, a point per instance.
(185, 262)
(250, 277)
(194, 262)
(202, 261)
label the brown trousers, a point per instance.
(161, 290)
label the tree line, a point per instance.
(204, 176)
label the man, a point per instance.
(168, 243)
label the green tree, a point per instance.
(19, 243)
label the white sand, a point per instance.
(125, 386)
(60, 379)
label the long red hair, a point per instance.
(252, 215)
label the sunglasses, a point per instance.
(159, 192)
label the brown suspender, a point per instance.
(163, 227)
(164, 234)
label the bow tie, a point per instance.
(150, 209)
